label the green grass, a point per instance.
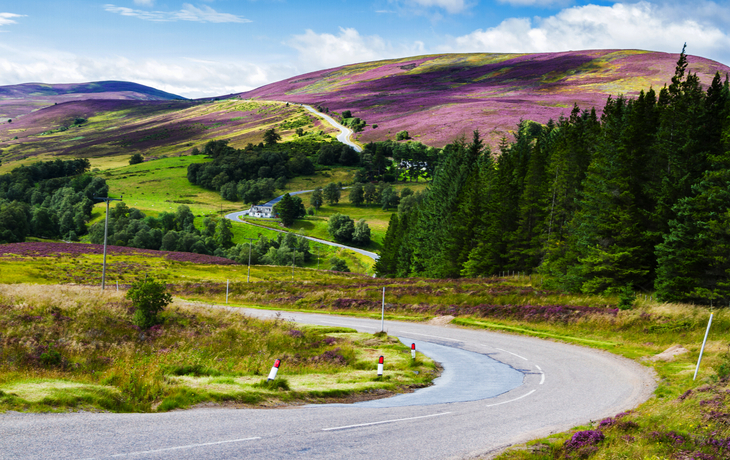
(316, 226)
(508, 304)
(71, 347)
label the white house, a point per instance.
(262, 211)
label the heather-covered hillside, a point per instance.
(18, 100)
(437, 98)
(98, 129)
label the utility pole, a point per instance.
(250, 242)
(106, 231)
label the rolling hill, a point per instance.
(440, 97)
(19, 100)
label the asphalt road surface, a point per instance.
(557, 386)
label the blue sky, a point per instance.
(199, 48)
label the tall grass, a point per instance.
(71, 334)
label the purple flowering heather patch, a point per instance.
(438, 98)
(582, 439)
(39, 249)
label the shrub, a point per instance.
(149, 298)
(402, 136)
(626, 298)
(338, 265)
(341, 227)
(136, 159)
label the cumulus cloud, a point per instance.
(318, 51)
(187, 13)
(7, 18)
(187, 77)
(641, 25)
(144, 2)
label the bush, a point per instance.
(626, 298)
(338, 265)
(136, 159)
(402, 136)
(149, 298)
(341, 227)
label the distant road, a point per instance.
(345, 132)
(236, 217)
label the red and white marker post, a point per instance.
(274, 370)
(381, 360)
(413, 351)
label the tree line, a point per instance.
(252, 174)
(48, 199)
(636, 200)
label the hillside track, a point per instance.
(562, 386)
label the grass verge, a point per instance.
(70, 348)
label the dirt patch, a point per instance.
(441, 320)
(669, 353)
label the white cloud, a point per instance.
(318, 51)
(187, 77)
(187, 13)
(7, 18)
(144, 2)
(641, 25)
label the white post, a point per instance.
(413, 351)
(274, 370)
(227, 281)
(382, 313)
(709, 323)
(117, 285)
(380, 366)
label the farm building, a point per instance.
(265, 210)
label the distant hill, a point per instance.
(440, 97)
(18, 100)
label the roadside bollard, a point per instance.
(413, 351)
(380, 366)
(274, 370)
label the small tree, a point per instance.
(389, 198)
(224, 234)
(369, 192)
(402, 136)
(341, 227)
(357, 195)
(149, 298)
(271, 137)
(361, 235)
(332, 194)
(136, 159)
(317, 199)
(338, 265)
(290, 208)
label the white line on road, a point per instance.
(427, 335)
(191, 446)
(515, 354)
(384, 421)
(542, 374)
(511, 400)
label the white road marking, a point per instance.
(384, 421)
(515, 354)
(542, 374)
(428, 335)
(191, 446)
(512, 400)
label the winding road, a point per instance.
(344, 137)
(508, 389)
